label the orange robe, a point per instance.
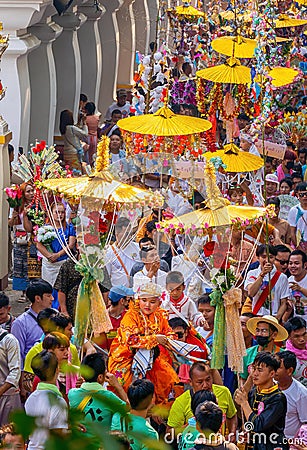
(139, 331)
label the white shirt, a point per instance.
(125, 110)
(177, 203)
(51, 415)
(185, 266)
(296, 408)
(299, 300)
(280, 290)
(298, 218)
(186, 308)
(141, 278)
(129, 256)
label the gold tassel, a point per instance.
(102, 160)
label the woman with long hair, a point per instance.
(55, 255)
(92, 121)
(73, 135)
(22, 228)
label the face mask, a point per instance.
(290, 165)
(263, 341)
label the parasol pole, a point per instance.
(147, 99)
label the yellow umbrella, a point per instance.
(281, 76)
(235, 159)
(231, 72)
(236, 46)
(164, 123)
(186, 11)
(285, 21)
(230, 15)
(206, 217)
(217, 211)
(101, 186)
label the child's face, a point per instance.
(236, 196)
(208, 312)
(174, 290)
(149, 305)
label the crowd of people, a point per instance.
(149, 377)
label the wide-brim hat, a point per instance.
(282, 333)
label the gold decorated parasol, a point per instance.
(285, 21)
(235, 159)
(164, 123)
(217, 211)
(231, 72)
(101, 186)
(236, 46)
(186, 11)
(281, 76)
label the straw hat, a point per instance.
(251, 324)
(149, 290)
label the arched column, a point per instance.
(17, 16)
(43, 83)
(90, 51)
(67, 65)
(109, 35)
(142, 25)
(153, 6)
(5, 137)
(126, 26)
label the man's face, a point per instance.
(302, 196)
(45, 301)
(201, 380)
(208, 312)
(296, 266)
(181, 333)
(152, 257)
(302, 158)
(116, 117)
(121, 101)
(68, 331)
(263, 259)
(243, 320)
(263, 329)
(4, 314)
(282, 261)
(282, 373)
(261, 374)
(296, 181)
(299, 338)
(242, 123)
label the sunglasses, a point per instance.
(282, 262)
(302, 194)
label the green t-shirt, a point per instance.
(135, 424)
(37, 348)
(181, 411)
(102, 405)
(249, 358)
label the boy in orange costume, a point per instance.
(144, 326)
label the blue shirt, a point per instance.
(27, 331)
(64, 237)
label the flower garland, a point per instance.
(176, 145)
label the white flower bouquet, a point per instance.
(45, 235)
